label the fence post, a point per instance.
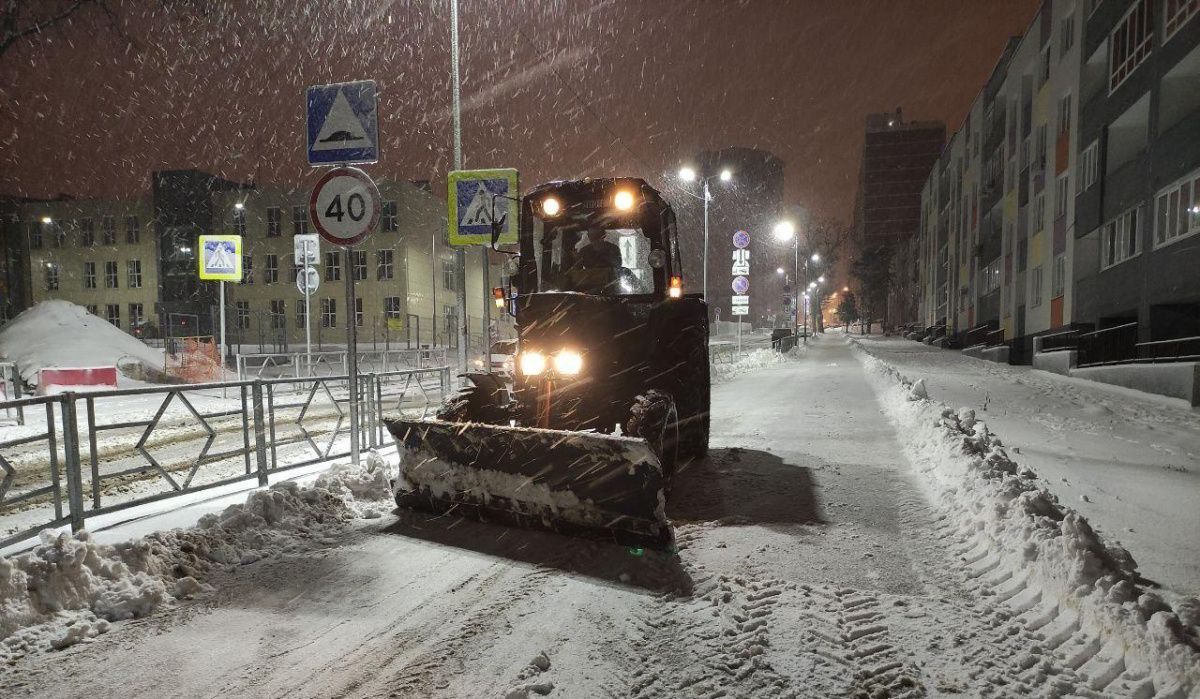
(260, 432)
(369, 396)
(72, 464)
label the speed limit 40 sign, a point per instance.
(344, 206)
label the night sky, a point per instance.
(556, 89)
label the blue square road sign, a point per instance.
(342, 123)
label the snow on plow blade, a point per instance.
(577, 483)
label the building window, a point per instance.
(991, 276)
(301, 313)
(1058, 279)
(384, 268)
(333, 266)
(60, 234)
(133, 274)
(1062, 190)
(271, 269)
(133, 230)
(112, 313)
(110, 274)
(389, 217)
(35, 235)
(391, 307)
(1035, 290)
(328, 313)
(51, 276)
(1064, 114)
(1089, 166)
(359, 260)
(1039, 212)
(108, 230)
(1176, 13)
(243, 315)
(358, 311)
(89, 275)
(1044, 67)
(1066, 35)
(137, 316)
(1039, 152)
(93, 309)
(274, 229)
(448, 275)
(1177, 211)
(87, 233)
(247, 269)
(299, 220)
(278, 314)
(239, 221)
(1129, 42)
(1119, 238)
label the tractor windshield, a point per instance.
(593, 259)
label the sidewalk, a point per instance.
(1129, 461)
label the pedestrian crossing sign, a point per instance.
(476, 198)
(220, 258)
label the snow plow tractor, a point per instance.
(611, 387)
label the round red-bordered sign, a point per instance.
(344, 206)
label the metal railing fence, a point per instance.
(10, 389)
(161, 442)
(269, 365)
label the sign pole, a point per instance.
(460, 254)
(307, 313)
(222, 349)
(352, 354)
(487, 310)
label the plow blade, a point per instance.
(576, 483)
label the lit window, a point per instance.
(1177, 211)
(1120, 238)
(1129, 42)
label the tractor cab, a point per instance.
(605, 237)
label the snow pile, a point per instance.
(62, 334)
(757, 359)
(986, 494)
(70, 588)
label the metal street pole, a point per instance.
(796, 289)
(307, 312)
(460, 254)
(351, 354)
(704, 288)
(805, 291)
(222, 350)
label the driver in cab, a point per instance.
(598, 253)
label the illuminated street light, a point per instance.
(46, 220)
(779, 270)
(821, 279)
(689, 174)
(815, 257)
(239, 206)
(784, 230)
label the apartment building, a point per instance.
(1057, 204)
(133, 262)
(1138, 193)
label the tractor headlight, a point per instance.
(532, 363)
(551, 207)
(568, 363)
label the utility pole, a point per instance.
(460, 254)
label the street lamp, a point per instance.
(779, 270)
(785, 231)
(688, 174)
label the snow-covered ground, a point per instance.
(1129, 461)
(812, 562)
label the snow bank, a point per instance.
(70, 588)
(985, 493)
(757, 359)
(62, 334)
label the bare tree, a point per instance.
(830, 239)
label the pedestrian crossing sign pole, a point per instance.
(221, 261)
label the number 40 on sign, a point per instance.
(344, 207)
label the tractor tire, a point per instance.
(484, 400)
(694, 398)
(653, 417)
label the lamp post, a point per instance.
(785, 231)
(688, 174)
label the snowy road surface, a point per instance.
(1129, 461)
(810, 564)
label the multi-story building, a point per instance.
(897, 158)
(134, 263)
(1137, 193)
(14, 260)
(1042, 213)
